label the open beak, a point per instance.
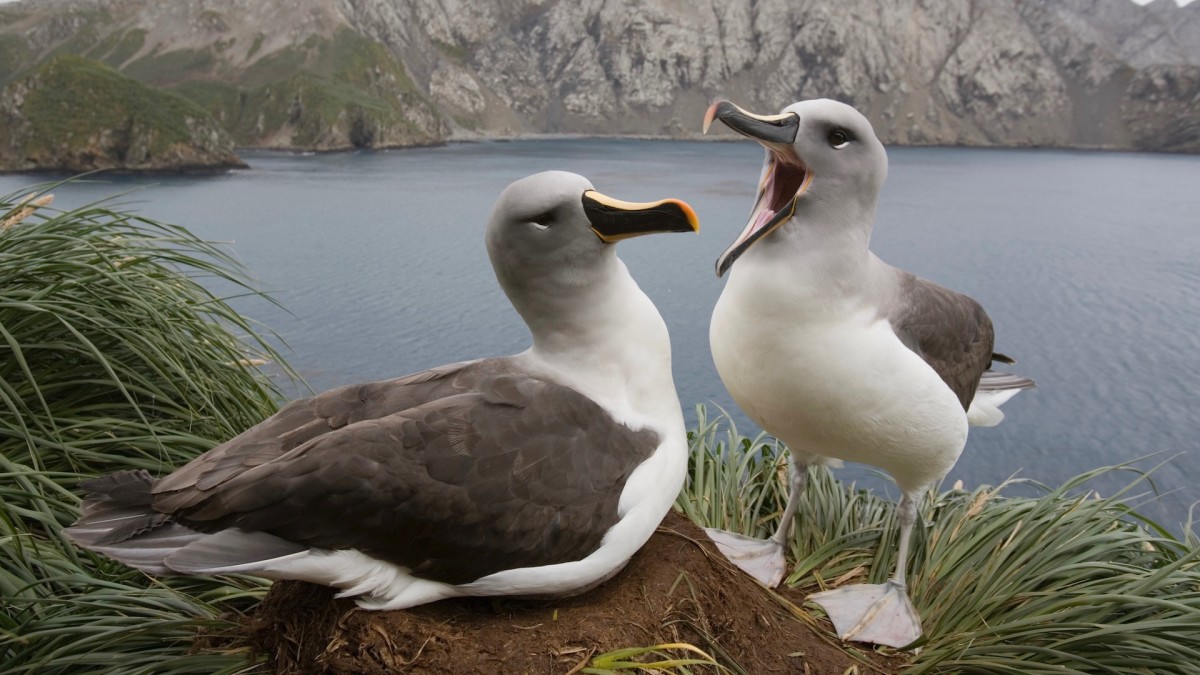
(784, 179)
(613, 220)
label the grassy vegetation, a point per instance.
(81, 41)
(275, 66)
(77, 95)
(90, 23)
(112, 355)
(455, 52)
(159, 68)
(323, 112)
(220, 99)
(72, 101)
(14, 56)
(94, 40)
(1064, 582)
(118, 47)
(255, 46)
(347, 85)
(330, 92)
(322, 91)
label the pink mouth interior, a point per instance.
(784, 180)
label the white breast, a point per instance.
(830, 379)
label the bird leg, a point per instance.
(764, 559)
(878, 613)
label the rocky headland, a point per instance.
(342, 74)
(75, 115)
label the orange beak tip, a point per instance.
(689, 213)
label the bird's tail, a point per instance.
(994, 390)
(119, 521)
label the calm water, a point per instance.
(1089, 264)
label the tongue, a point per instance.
(761, 220)
(767, 213)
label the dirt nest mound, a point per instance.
(678, 588)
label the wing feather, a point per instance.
(305, 419)
(511, 472)
(949, 330)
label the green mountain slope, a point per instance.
(74, 114)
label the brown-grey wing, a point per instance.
(950, 331)
(302, 420)
(520, 472)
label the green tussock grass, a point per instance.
(113, 355)
(1065, 582)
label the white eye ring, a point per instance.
(540, 226)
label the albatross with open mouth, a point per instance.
(534, 474)
(838, 354)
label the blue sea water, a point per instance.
(1087, 262)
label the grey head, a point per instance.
(551, 236)
(822, 158)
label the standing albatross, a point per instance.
(838, 354)
(534, 474)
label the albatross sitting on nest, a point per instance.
(838, 354)
(534, 474)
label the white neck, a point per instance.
(606, 340)
(816, 261)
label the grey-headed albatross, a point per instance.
(534, 474)
(838, 354)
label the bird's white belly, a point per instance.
(844, 388)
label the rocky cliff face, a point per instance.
(1003, 72)
(344, 73)
(76, 115)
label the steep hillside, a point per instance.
(275, 75)
(329, 74)
(72, 114)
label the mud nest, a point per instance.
(678, 588)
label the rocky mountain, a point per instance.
(330, 74)
(73, 114)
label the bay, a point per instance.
(1087, 262)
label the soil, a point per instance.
(678, 588)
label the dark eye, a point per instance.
(543, 221)
(839, 138)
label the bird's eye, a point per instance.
(543, 221)
(839, 138)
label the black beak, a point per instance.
(613, 220)
(784, 180)
(763, 128)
